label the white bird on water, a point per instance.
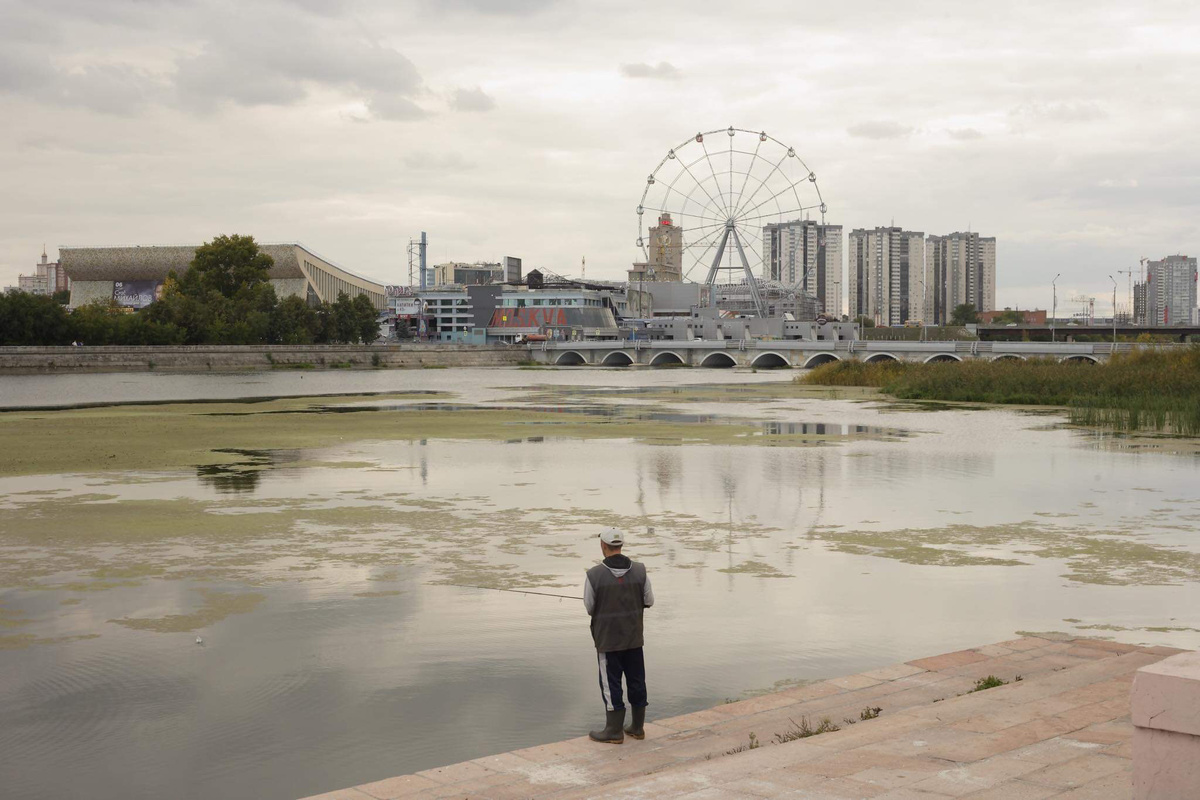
(199, 640)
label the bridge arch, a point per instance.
(819, 359)
(1008, 357)
(667, 358)
(770, 360)
(617, 358)
(570, 358)
(719, 359)
(876, 358)
(1079, 358)
(938, 358)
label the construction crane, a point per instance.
(1088, 313)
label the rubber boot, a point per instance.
(612, 733)
(637, 720)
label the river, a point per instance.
(342, 560)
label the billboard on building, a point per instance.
(136, 294)
(512, 269)
(528, 317)
(406, 306)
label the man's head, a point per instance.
(611, 541)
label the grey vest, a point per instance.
(617, 621)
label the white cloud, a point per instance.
(880, 129)
(663, 71)
(965, 134)
(1076, 111)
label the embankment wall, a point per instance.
(230, 358)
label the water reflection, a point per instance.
(769, 563)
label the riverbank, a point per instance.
(1055, 724)
(244, 358)
(1155, 390)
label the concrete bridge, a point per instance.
(805, 354)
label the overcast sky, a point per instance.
(1068, 129)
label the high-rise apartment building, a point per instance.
(885, 272)
(806, 255)
(1169, 293)
(1139, 303)
(960, 268)
(47, 279)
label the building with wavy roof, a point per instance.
(129, 273)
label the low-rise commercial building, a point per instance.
(1028, 317)
(712, 324)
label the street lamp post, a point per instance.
(1114, 280)
(1054, 308)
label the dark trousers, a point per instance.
(612, 666)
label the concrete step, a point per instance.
(1059, 725)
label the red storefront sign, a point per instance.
(528, 318)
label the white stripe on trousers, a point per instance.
(604, 690)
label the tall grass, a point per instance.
(1145, 390)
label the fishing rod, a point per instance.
(514, 591)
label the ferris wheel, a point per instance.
(708, 202)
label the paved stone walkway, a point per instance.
(1061, 731)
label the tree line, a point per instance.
(224, 297)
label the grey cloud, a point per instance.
(964, 134)
(880, 129)
(471, 100)
(393, 107)
(663, 70)
(519, 8)
(273, 61)
(105, 88)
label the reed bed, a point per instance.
(1155, 390)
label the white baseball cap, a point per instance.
(612, 537)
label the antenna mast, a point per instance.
(410, 263)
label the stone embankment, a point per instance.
(232, 358)
(1059, 727)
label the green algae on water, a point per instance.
(1106, 557)
(757, 569)
(216, 607)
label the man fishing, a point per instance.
(615, 593)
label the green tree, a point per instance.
(293, 321)
(865, 321)
(194, 315)
(1009, 316)
(964, 314)
(63, 298)
(366, 319)
(227, 265)
(30, 319)
(345, 320)
(97, 323)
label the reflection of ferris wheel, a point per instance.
(709, 200)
